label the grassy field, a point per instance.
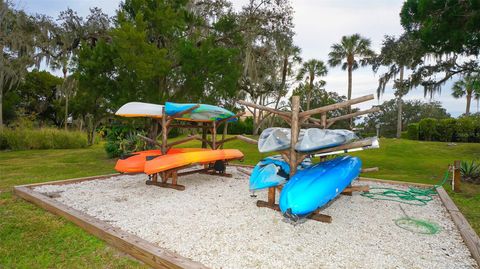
(32, 238)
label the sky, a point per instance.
(318, 25)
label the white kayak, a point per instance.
(315, 139)
(139, 109)
(277, 139)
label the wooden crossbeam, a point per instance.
(229, 118)
(265, 108)
(181, 141)
(247, 139)
(149, 140)
(221, 142)
(352, 145)
(206, 141)
(352, 115)
(179, 114)
(324, 109)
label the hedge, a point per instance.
(43, 138)
(463, 129)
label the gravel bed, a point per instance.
(215, 221)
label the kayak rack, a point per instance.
(167, 123)
(296, 119)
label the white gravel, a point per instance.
(216, 222)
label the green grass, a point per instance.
(33, 238)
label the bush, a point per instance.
(466, 129)
(427, 129)
(241, 126)
(446, 130)
(123, 139)
(412, 131)
(470, 171)
(44, 138)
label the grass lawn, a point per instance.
(33, 238)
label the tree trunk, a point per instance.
(1, 109)
(399, 105)
(469, 100)
(349, 95)
(399, 116)
(66, 96)
(309, 93)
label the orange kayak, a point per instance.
(135, 162)
(170, 161)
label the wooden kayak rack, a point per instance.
(297, 118)
(206, 126)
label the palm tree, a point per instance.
(397, 55)
(351, 52)
(469, 86)
(311, 69)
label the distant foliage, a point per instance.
(123, 139)
(413, 112)
(43, 138)
(412, 131)
(463, 129)
(240, 127)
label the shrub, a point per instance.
(44, 138)
(427, 129)
(446, 130)
(470, 171)
(123, 139)
(412, 131)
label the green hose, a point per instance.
(412, 196)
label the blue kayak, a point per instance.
(314, 186)
(202, 113)
(272, 171)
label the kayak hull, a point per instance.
(277, 139)
(171, 161)
(271, 172)
(202, 113)
(314, 186)
(135, 162)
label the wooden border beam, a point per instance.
(137, 247)
(324, 109)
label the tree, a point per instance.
(352, 51)
(310, 70)
(17, 48)
(397, 55)
(448, 31)
(443, 26)
(413, 111)
(468, 87)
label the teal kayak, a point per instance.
(202, 113)
(272, 171)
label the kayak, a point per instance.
(135, 162)
(202, 113)
(315, 139)
(170, 161)
(139, 109)
(277, 139)
(272, 171)
(314, 186)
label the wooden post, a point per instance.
(294, 134)
(225, 130)
(324, 120)
(214, 135)
(164, 131)
(204, 136)
(457, 176)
